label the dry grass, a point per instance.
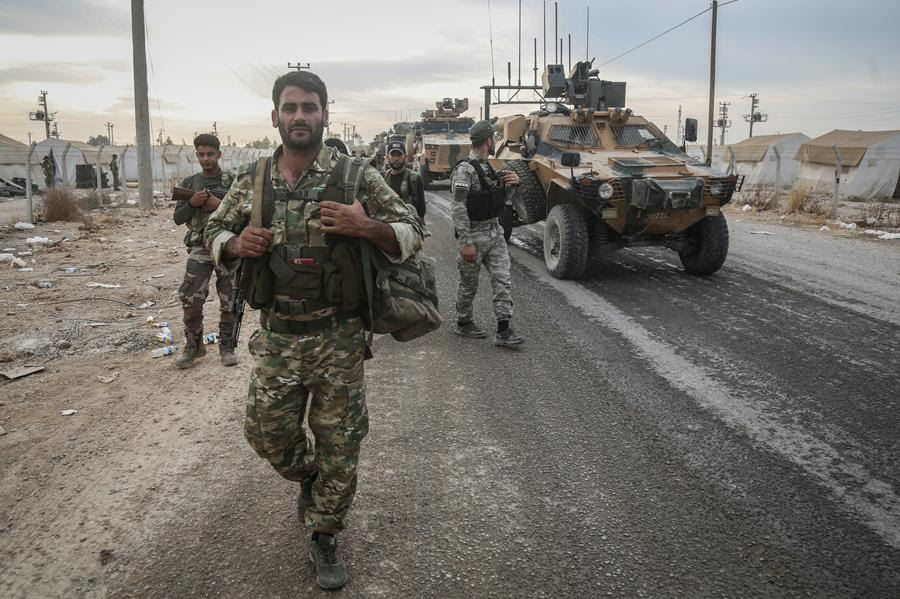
(880, 214)
(60, 205)
(802, 202)
(761, 198)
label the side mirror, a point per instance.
(690, 129)
(572, 159)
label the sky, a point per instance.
(816, 65)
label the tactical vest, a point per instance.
(197, 223)
(408, 190)
(489, 201)
(293, 281)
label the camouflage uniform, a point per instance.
(194, 288)
(490, 246)
(322, 370)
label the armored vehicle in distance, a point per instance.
(443, 140)
(604, 179)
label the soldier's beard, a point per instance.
(311, 142)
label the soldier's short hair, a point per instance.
(305, 80)
(207, 139)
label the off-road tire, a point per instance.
(425, 177)
(531, 205)
(566, 242)
(709, 244)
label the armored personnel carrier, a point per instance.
(604, 179)
(443, 140)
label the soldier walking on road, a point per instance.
(310, 346)
(479, 196)
(195, 288)
(402, 180)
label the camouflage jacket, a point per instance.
(194, 217)
(295, 219)
(463, 179)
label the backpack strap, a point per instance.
(353, 177)
(263, 206)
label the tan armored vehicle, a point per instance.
(604, 179)
(443, 140)
(405, 131)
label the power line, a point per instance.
(703, 12)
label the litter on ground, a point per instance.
(102, 285)
(24, 226)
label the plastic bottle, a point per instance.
(210, 338)
(164, 351)
(72, 269)
(164, 335)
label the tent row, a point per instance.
(169, 164)
(868, 163)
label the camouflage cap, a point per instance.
(480, 131)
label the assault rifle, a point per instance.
(183, 194)
(236, 303)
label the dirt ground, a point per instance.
(74, 489)
(79, 493)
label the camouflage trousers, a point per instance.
(490, 251)
(323, 372)
(193, 293)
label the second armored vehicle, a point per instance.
(604, 179)
(443, 140)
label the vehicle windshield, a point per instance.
(629, 136)
(460, 126)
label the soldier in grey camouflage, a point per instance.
(479, 196)
(194, 288)
(310, 347)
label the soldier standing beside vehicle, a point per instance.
(310, 346)
(402, 180)
(479, 196)
(195, 288)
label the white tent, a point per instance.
(13, 156)
(870, 164)
(757, 158)
(66, 154)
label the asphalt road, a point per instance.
(659, 435)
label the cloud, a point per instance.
(56, 72)
(70, 17)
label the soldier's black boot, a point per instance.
(506, 337)
(193, 349)
(331, 571)
(467, 328)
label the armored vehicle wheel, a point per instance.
(531, 206)
(425, 177)
(566, 242)
(707, 246)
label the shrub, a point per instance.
(60, 205)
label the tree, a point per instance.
(169, 141)
(260, 144)
(96, 140)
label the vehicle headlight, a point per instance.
(605, 190)
(717, 188)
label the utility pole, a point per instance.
(712, 84)
(298, 66)
(43, 114)
(141, 106)
(723, 122)
(109, 133)
(215, 130)
(29, 138)
(160, 138)
(754, 116)
(557, 57)
(678, 129)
